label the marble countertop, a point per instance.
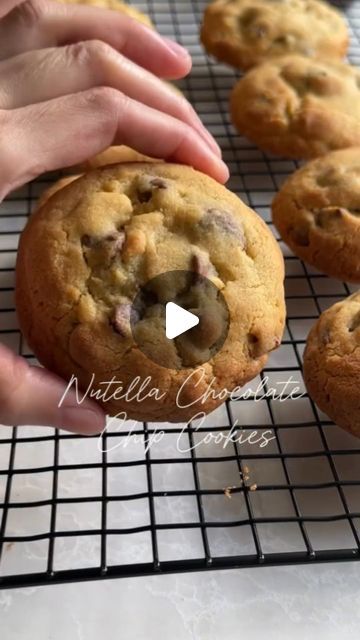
(305, 602)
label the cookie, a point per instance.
(298, 107)
(115, 5)
(332, 363)
(113, 155)
(85, 254)
(245, 33)
(317, 213)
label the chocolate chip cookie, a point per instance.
(298, 107)
(86, 253)
(332, 363)
(113, 155)
(115, 5)
(317, 213)
(245, 33)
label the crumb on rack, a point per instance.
(246, 473)
(228, 491)
(253, 487)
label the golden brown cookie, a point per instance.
(113, 155)
(115, 5)
(85, 254)
(332, 363)
(245, 33)
(317, 213)
(298, 107)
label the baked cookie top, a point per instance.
(317, 213)
(115, 5)
(245, 33)
(113, 155)
(84, 255)
(332, 363)
(298, 107)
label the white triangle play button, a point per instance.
(178, 320)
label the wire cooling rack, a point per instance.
(182, 500)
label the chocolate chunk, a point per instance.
(115, 242)
(146, 186)
(328, 216)
(202, 266)
(109, 246)
(259, 345)
(159, 183)
(211, 327)
(223, 221)
(355, 323)
(120, 320)
(300, 235)
(254, 345)
(88, 241)
(248, 17)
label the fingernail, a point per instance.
(176, 48)
(222, 171)
(226, 171)
(85, 421)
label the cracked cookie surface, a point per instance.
(115, 5)
(245, 33)
(85, 254)
(298, 107)
(332, 363)
(317, 213)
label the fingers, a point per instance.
(39, 24)
(7, 5)
(30, 395)
(42, 75)
(66, 131)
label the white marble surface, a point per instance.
(304, 603)
(320, 601)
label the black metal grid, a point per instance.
(71, 512)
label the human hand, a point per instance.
(74, 80)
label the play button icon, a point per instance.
(178, 320)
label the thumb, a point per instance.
(30, 395)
